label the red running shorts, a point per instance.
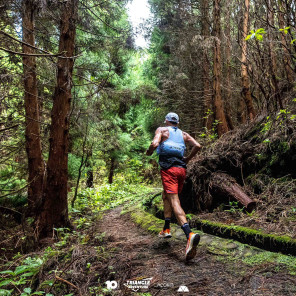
(173, 179)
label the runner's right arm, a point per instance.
(155, 142)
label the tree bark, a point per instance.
(228, 101)
(89, 173)
(244, 71)
(272, 64)
(84, 159)
(208, 104)
(241, 113)
(55, 207)
(218, 102)
(111, 171)
(32, 131)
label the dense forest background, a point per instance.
(79, 102)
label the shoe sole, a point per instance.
(191, 254)
(166, 236)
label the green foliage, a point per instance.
(210, 135)
(282, 114)
(73, 165)
(234, 207)
(258, 34)
(22, 275)
(126, 138)
(267, 125)
(157, 62)
(189, 216)
(285, 30)
(63, 234)
(10, 183)
(108, 196)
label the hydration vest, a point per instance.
(174, 145)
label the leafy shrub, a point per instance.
(20, 276)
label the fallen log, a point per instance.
(225, 185)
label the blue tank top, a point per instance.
(171, 151)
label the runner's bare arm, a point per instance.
(155, 142)
(195, 146)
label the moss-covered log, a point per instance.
(270, 242)
(246, 235)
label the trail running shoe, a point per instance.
(165, 233)
(192, 243)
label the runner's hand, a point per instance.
(186, 160)
(148, 152)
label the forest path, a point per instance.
(138, 254)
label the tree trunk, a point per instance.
(241, 111)
(244, 71)
(55, 207)
(82, 163)
(90, 174)
(272, 64)
(111, 171)
(218, 102)
(228, 101)
(208, 104)
(32, 131)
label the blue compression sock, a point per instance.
(186, 229)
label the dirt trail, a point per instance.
(138, 254)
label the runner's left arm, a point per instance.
(195, 146)
(156, 140)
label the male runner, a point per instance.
(170, 144)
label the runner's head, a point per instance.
(172, 118)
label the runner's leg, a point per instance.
(166, 206)
(167, 211)
(179, 213)
(176, 207)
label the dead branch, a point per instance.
(67, 282)
(31, 54)
(7, 128)
(58, 55)
(22, 42)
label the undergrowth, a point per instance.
(71, 254)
